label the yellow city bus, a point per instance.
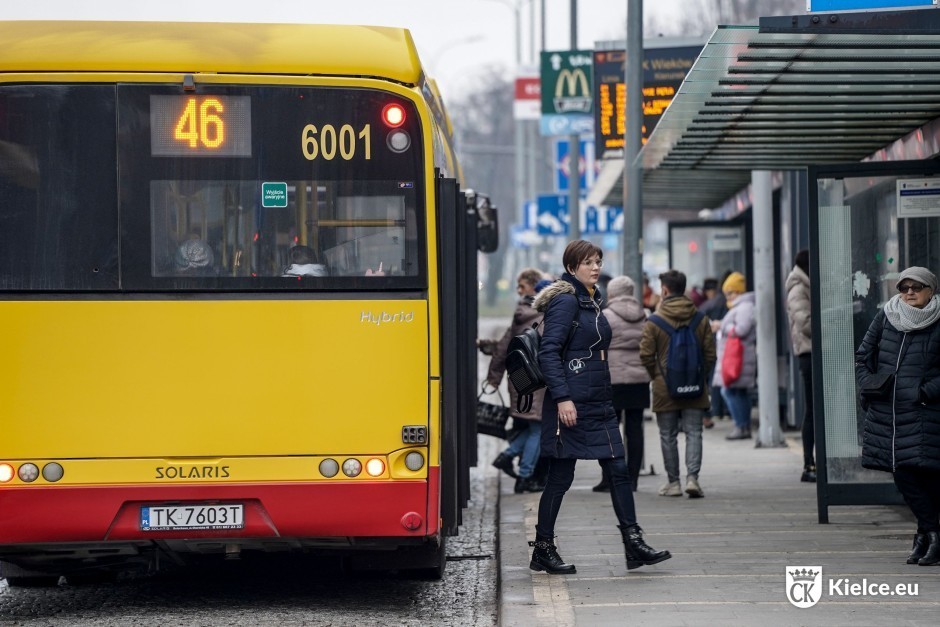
(237, 296)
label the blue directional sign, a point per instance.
(830, 6)
(552, 217)
(602, 220)
(585, 166)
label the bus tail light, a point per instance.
(28, 472)
(398, 141)
(6, 473)
(352, 467)
(414, 461)
(52, 472)
(393, 115)
(375, 467)
(329, 467)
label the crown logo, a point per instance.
(804, 574)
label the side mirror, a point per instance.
(487, 225)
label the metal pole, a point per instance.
(519, 141)
(574, 153)
(769, 433)
(633, 142)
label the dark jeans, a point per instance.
(809, 433)
(633, 435)
(919, 488)
(560, 476)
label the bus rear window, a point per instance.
(269, 188)
(58, 194)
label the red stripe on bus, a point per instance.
(311, 510)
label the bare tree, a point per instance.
(702, 16)
(484, 127)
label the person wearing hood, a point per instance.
(578, 417)
(524, 445)
(630, 383)
(742, 322)
(677, 311)
(897, 369)
(801, 338)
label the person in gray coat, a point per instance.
(742, 322)
(630, 383)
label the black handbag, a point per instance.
(492, 419)
(879, 387)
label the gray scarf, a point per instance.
(905, 318)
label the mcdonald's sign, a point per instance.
(567, 85)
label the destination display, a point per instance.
(205, 125)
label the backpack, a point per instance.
(684, 373)
(522, 364)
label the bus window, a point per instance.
(220, 229)
(308, 167)
(58, 198)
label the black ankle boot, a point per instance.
(504, 463)
(639, 553)
(932, 556)
(919, 549)
(545, 557)
(809, 474)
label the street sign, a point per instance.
(586, 166)
(832, 6)
(566, 92)
(602, 220)
(552, 217)
(273, 194)
(527, 103)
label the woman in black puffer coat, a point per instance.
(578, 418)
(902, 426)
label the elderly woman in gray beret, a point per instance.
(897, 369)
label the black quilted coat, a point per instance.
(902, 430)
(580, 375)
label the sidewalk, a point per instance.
(730, 550)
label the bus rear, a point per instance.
(220, 317)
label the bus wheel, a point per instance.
(18, 577)
(43, 581)
(437, 563)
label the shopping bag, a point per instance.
(732, 360)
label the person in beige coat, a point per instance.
(801, 337)
(677, 310)
(630, 383)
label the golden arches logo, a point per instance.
(572, 91)
(572, 79)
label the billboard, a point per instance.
(664, 69)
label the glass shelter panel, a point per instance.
(707, 249)
(862, 247)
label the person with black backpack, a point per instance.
(678, 352)
(578, 417)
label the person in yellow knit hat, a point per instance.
(741, 322)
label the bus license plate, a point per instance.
(177, 517)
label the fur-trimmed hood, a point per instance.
(546, 295)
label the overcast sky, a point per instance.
(457, 39)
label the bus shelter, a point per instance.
(850, 104)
